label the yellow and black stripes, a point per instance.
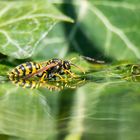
(51, 70)
(55, 60)
(32, 84)
(26, 83)
(24, 69)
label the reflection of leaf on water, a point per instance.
(88, 94)
(24, 113)
(116, 112)
(84, 111)
(104, 109)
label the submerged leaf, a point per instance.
(24, 113)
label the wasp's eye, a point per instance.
(66, 65)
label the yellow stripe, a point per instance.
(14, 72)
(20, 82)
(33, 68)
(27, 71)
(37, 65)
(33, 85)
(20, 72)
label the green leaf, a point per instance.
(24, 24)
(107, 28)
(115, 27)
(54, 46)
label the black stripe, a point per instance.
(15, 81)
(16, 70)
(29, 65)
(12, 73)
(23, 69)
(36, 66)
(49, 62)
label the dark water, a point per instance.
(99, 111)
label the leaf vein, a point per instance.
(115, 30)
(117, 4)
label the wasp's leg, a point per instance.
(42, 77)
(71, 74)
(61, 78)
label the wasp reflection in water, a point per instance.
(51, 85)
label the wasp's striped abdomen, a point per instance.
(24, 69)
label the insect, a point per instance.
(46, 70)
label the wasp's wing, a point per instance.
(41, 70)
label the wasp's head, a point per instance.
(66, 65)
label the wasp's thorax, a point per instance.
(59, 68)
(61, 64)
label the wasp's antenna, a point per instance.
(92, 60)
(78, 67)
(73, 59)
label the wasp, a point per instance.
(50, 69)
